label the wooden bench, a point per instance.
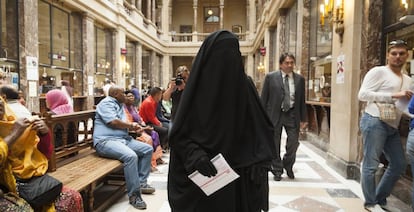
(77, 165)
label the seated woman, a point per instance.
(22, 157)
(149, 135)
(57, 102)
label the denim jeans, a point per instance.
(380, 138)
(410, 154)
(135, 155)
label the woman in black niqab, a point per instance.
(220, 112)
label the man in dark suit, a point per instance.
(283, 97)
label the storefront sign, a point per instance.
(340, 69)
(32, 68)
(263, 51)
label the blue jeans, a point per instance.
(410, 154)
(380, 138)
(135, 155)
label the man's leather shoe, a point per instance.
(277, 177)
(289, 173)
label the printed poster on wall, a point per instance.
(340, 69)
(32, 68)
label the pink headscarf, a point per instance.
(57, 102)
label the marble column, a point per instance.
(281, 45)
(303, 47)
(148, 17)
(250, 68)
(164, 18)
(251, 21)
(138, 57)
(221, 14)
(344, 127)
(139, 4)
(153, 11)
(28, 46)
(152, 69)
(195, 6)
(89, 53)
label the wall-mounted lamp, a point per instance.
(334, 13)
(261, 68)
(404, 4)
(210, 12)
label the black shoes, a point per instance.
(289, 173)
(277, 177)
(137, 202)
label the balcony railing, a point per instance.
(197, 37)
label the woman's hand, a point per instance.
(19, 127)
(40, 127)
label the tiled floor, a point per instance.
(316, 188)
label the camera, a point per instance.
(179, 79)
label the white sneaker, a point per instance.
(374, 208)
(390, 208)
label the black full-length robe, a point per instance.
(220, 112)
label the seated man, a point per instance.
(111, 139)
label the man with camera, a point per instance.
(176, 88)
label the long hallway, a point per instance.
(316, 187)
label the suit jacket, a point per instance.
(273, 94)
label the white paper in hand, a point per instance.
(225, 175)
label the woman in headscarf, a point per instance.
(220, 112)
(57, 102)
(21, 157)
(68, 91)
(148, 136)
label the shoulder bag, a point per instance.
(39, 191)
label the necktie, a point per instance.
(286, 98)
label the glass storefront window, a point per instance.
(60, 48)
(44, 32)
(9, 42)
(76, 41)
(60, 38)
(320, 67)
(103, 66)
(50, 78)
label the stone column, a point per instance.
(281, 45)
(152, 69)
(164, 18)
(28, 46)
(119, 42)
(138, 56)
(250, 66)
(166, 70)
(343, 144)
(148, 9)
(251, 21)
(270, 50)
(153, 11)
(303, 46)
(139, 5)
(221, 14)
(89, 53)
(195, 6)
